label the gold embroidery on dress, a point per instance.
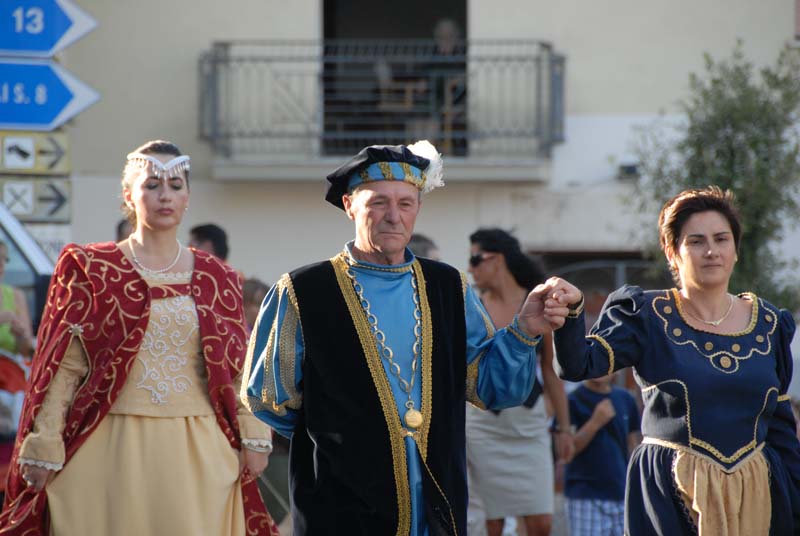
(704, 444)
(683, 448)
(388, 405)
(164, 351)
(721, 359)
(609, 350)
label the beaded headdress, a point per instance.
(162, 170)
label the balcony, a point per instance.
(292, 109)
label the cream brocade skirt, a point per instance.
(141, 476)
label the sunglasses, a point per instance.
(475, 260)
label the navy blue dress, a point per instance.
(720, 396)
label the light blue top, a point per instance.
(505, 371)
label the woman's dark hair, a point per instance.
(526, 271)
(131, 170)
(680, 208)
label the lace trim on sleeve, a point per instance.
(257, 442)
(39, 463)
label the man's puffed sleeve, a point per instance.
(501, 364)
(273, 373)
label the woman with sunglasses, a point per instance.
(719, 454)
(508, 451)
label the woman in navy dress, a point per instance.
(720, 455)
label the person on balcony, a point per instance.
(720, 454)
(366, 361)
(131, 424)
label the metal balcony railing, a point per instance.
(304, 99)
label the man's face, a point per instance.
(384, 213)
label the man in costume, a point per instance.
(366, 360)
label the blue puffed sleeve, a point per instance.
(273, 368)
(781, 435)
(617, 340)
(501, 364)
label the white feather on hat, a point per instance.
(434, 173)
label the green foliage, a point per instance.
(740, 133)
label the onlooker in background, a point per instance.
(509, 452)
(422, 246)
(12, 392)
(608, 430)
(210, 238)
(16, 331)
(16, 344)
(124, 229)
(253, 293)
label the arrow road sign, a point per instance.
(34, 153)
(37, 200)
(41, 28)
(54, 151)
(55, 199)
(40, 95)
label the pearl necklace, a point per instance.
(145, 268)
(714, 323)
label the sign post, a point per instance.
(37, 96)
(40, 95)
(40, 28)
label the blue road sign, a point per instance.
(40, 28)
(40, 95)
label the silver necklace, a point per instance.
(145, 268)
(413, 417)
(714, 323)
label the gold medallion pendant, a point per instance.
(413, 418)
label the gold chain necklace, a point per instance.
(145, 268)
(412, 417)
(714, 323)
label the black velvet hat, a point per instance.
(418, 164)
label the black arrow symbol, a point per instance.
(57, 150)
(22, 153)
(57, 197)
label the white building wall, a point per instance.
(626, 61)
